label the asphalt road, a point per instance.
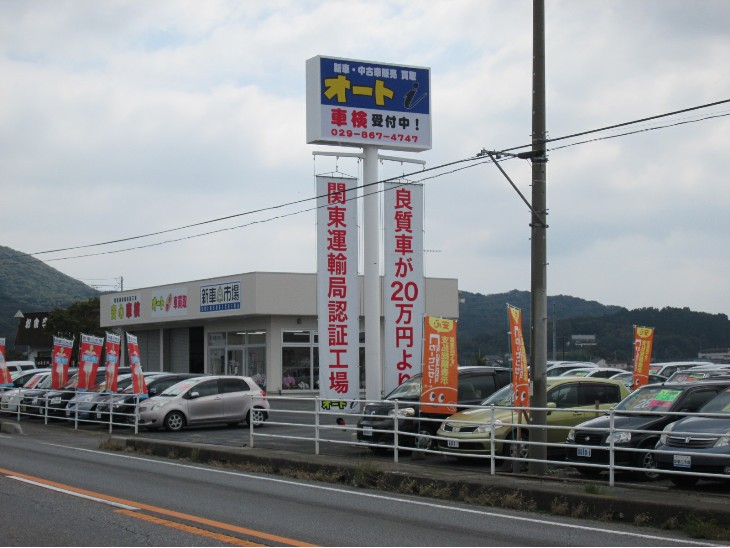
(136, 500)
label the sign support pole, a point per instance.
(372, 293)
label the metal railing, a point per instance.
(504, 436)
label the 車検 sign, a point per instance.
(357, 103)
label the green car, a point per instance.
(468, 432)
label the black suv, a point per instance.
(415, 428)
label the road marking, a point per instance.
(73, 493)
(188, 529)
(157, 509)
(397, 499)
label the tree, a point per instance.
(80, 317)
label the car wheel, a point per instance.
(174, 421)
(517, 449)
(684, 481)
(648, 463)
(257, 415)
(423, 440)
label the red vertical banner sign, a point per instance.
(338, 293)
(4, 371)
(89, 357)
(520, 367)
(138, 384)
(62, 349)
(403, 283)
(439, 384)
(111, 361)
(643, 343)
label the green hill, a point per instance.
(30, 285)
(680, 332)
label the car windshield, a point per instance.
(651, 398)
(687, 376)
(34, 380)
(180, 388)
(409, 390)
(576, 373)
(502, 397)
(719, 404)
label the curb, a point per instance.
(643, 506)
(10, 428)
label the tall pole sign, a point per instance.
(371, 105)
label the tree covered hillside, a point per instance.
(680, 333)
(30, 285)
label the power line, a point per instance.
(476, 160)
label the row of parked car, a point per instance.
(174, 400)
(648, 428)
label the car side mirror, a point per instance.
(194, 395)
(152, 391)
(551, 405)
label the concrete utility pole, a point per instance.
(538, 315)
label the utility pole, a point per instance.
(538, 315)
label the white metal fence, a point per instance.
(504, 440)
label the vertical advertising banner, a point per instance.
(111, 361)
(357, 103)
(439, 384)
(135, 363)
(643, 342)
(403, 282)
(520, 367)
(4, 371)
(62, 349)
(89, 357)
(338, 293)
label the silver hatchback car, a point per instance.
(206, 400)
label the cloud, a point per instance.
(119, 119)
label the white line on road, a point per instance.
(67, 492)
(682, 542)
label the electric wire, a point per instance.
(474, 161)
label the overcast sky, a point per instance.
(121, 118)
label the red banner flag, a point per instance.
(520, 368)
(643, 342)
(62, 349)
(89, 357)
(111, 362)
(138, 384)
(4, 371)
(440, 366)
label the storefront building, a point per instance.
(259, 324)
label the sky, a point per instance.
(120, 119)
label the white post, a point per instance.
(372, 298)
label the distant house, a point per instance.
(32, 338)
(583, 340)
(717, 355)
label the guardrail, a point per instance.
(19, 403)
(504, 437)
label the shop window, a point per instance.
(238, 353)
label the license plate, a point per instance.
(584, 452)
(367, 431)
(23, 408)
(98, 415)
(55, 401)
(452, 443)
(683, 461)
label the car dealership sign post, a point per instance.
(370, 105)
